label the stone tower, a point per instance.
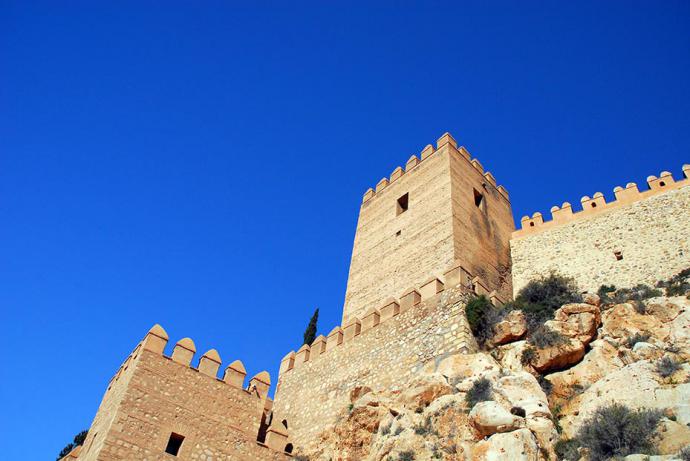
(440, 210)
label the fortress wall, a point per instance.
(649, 229)
(384, 350)
(218, 418)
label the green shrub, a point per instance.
(480, 391)
(76, 441)
(407, 455)
(637, 295)
(566, 449)
(637, 338)
(482, 316)
(677, 285)
(604, 292)
(540, 298)
(616, 430)
(551, 292)
(666, 366)
(425, 428)
(528, 355)
(544, 337)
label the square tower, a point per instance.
(440, 211)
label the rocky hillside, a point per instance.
(571, 390)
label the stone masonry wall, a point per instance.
(652, 236)
(156, 395)
(388, 355)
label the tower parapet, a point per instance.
(595, 205)
(157, 404)
(440, 208)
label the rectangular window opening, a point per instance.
(397, 234)
(403, 204)
(478, 199)
(618, 255)
(174, 444)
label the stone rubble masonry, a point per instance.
(641, 237)
(152, 396)
(455, 212)
(383, 350)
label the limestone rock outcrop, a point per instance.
(511, 328)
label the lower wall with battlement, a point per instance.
(153, 396)
(385, 351)
(645, 240)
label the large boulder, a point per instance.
(424, 390)
(490, 417)
(458, 367)
(511, 328)
(510, 356)
(519, 445)
(577, 321)
(559, 356)
(623, 321)
(602, 359)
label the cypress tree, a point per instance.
(310, 332)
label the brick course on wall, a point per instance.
(311, 394)
(650, 230)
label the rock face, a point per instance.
(511, 328)
(490, 417)
(559, 356)
(598, 364)
(518, 445)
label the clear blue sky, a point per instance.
(202, 165)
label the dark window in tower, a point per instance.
(174, 444)
(478, 199)
(618, 255)
(403, 204)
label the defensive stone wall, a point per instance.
(153, 396)
(642, 236)
(382, 350)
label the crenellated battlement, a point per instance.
(444, 142)
(596, 205)
(455, 277)
(208, 364)
(174, 398)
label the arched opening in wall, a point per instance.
(285, 423)
(662, 184)
(594, 205)
(531, 224)
(288, 448)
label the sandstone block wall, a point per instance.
(394, 250)
(153, 396)
(640, 237)
(381, 353)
